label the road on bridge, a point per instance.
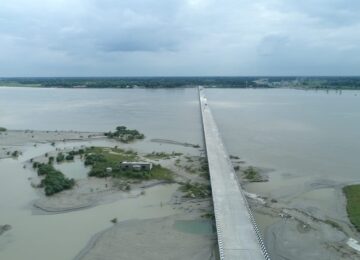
(238, 235)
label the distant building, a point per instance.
(137, 166)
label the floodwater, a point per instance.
(308, 133)
(310, 140)
(198, 227)
(159, 113)
(62, 236)
(73, 169)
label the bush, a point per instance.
(69, 157)
(60, 157)
(99, 173)
(91, 159)
(44, 169)
(51, 160)
(54, 181)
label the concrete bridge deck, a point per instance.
(238, 235)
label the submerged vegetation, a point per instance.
(352, 193)
(162, 155)
(196, 190)
(54, 181)
(253, 175)
(125, 135)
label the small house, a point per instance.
(136, 166)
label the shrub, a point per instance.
(60, 157)
(69, 157)
(54, 181)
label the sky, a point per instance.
(179, 37)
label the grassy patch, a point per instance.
(162, 155)
(160, 173)
(252, 174)
(196, 190)
(352, 193)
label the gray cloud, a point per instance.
(179, 37)
(272, 45)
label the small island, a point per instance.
(119, 163)
(125, 135)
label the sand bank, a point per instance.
(149, 239)
(15, 140)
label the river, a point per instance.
(308, 140)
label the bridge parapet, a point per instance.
(238, 235)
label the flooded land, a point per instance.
(293, 150)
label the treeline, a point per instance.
(177, 82)
(331, 83)
(135, 82)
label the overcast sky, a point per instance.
(179, 37)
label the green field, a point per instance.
(352, 194)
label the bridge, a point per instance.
(238, 234)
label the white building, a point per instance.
(137, 166)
